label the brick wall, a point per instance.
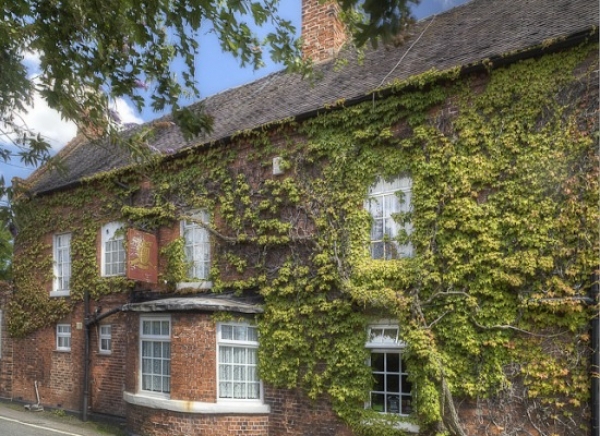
(193, 358)
(294, 414)
(108, 371)
(59, 374)
(322, 32)
(151, 422)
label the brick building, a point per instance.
(287, 271)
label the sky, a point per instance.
(216, 72)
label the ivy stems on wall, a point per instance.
(505, 188)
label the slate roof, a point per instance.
(463, 36)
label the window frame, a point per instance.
(386, 347)
(112, 232)
(154, 338)
(204, 243)
(379, 191)
(103, 336)
(243, 344)
(66, 335)
(59, 268)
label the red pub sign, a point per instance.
(142, 256)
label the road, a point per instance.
(16, 421)
(33, 427)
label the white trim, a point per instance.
(382, 203)
(61, 251)
(104, 336)
(153, 338)
(200, 238)
(229, 407)
(108, 233)
(63, 335)
(241, 344)
(205, 284)
(397, 343)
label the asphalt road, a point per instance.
(16, 421)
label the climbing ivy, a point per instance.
(504, 211)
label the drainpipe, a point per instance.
(595, 358)
(86, 355)
(89, 321)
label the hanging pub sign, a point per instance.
(142, 256)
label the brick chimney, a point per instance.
(323, 34)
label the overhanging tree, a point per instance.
(91, 51)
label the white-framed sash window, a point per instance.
(237, 357)
(105, 339)
(387, 201)
(155, 355)
(391, 392)
(113, 249)
(197, 245)
(61, 245)
(63, 337)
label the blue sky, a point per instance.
(216, 72)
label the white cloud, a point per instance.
(41, 119)
(126, 112)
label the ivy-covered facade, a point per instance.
(418, 259)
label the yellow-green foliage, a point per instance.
(505, 189)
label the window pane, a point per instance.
(406, 385)
(239, 355)
(377, 250)
(378, 361)
(393, 383)
(393, 404)
(378, 402)
(379, 384)
(252, 356)
(225, 390)
(253, 391)
(377, 230)
(146, 382)
(393, 362)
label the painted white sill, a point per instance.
(403, 425)
(60, 293)
(205, 284)
(230, 408)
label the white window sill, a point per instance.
(60, 293)
(229, 408)
(205, 284)
(403, 425)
